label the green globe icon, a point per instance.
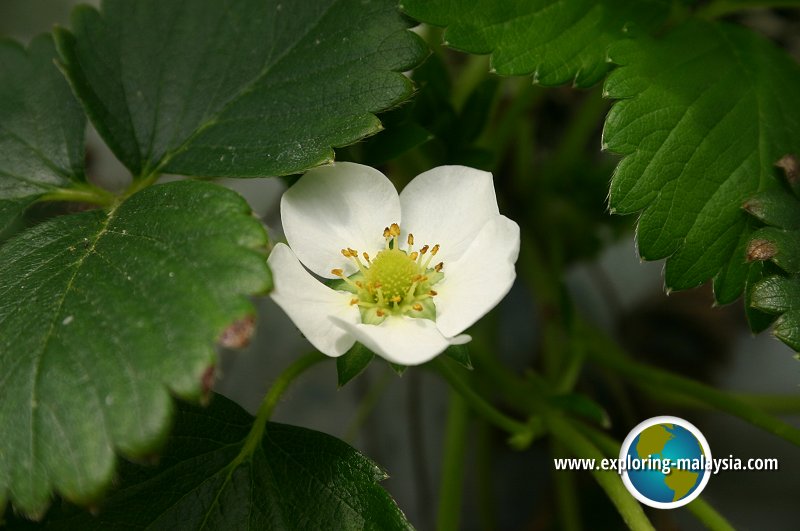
(665, 459)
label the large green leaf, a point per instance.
(211, 478)
(236, 88)
(556, 41)
(42, 128)
(704, 114)
(103, 314)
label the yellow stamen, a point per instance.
(439, 267)
(433, 293)
(417, 307)
(353, 301)
(394, 229)
(410, 239)
(366, 257)
(380, 313)
(337, 272)
(435, 250)
(413, 256)
(424, 249)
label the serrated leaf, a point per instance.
(102, 316)
(780, 295)
(42, 128)
(780, 246)
(557, 42)
(776, 208)
(295, 479)
(353, 363)
(704, 113)
(756, 319)
(238, 89)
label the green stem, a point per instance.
(709, 516)
(609, 481)
(274, 394)
(604, 351)
(516, 429)
(451, 484)
(142, 183)
(81, 194)
(566, 494)
(699, 507)
(721, 8)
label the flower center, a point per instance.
(395, 282)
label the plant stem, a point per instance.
(609, 481)
(604, 351)
(274, 394)
(81, 194)
(709, 516)
(451, 483)
(566, 494)
(477, 403)
(721, 8)
(698, 507)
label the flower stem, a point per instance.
(451, 484)
(698, 507)
(521, 433)
(721, 8)
(274, 394)
(574, 441)
(604, 351)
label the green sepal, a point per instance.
(353, 363)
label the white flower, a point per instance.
(414, 270)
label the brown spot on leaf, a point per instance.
(760, 249)
(238, 334)
(790, 164)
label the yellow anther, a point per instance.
(433, 293)
(353, 252)
(417, 307)
(380, 313)
(337, 272)
(394, 229)
(435, 250)
(439, 267)
(346, 253)
(359, 284)
(410, 239)
(424, 249)
(386, 232)
(353, 301)
(366, 256)
(413, 256)
(396, 298)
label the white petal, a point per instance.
(448, 205)
(310, 304)
(401, 340)
(337, 206)
(480, 279)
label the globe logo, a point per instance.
(663, 462)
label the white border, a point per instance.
(664, 419)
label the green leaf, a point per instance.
(353, 363)
(239, 89)
(293, 478)
(780, 295)
(557, 42)
(775, 251)
(103, 315)
(42, 128)
(459, 354)
(704, 114)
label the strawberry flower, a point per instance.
(403, 274)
